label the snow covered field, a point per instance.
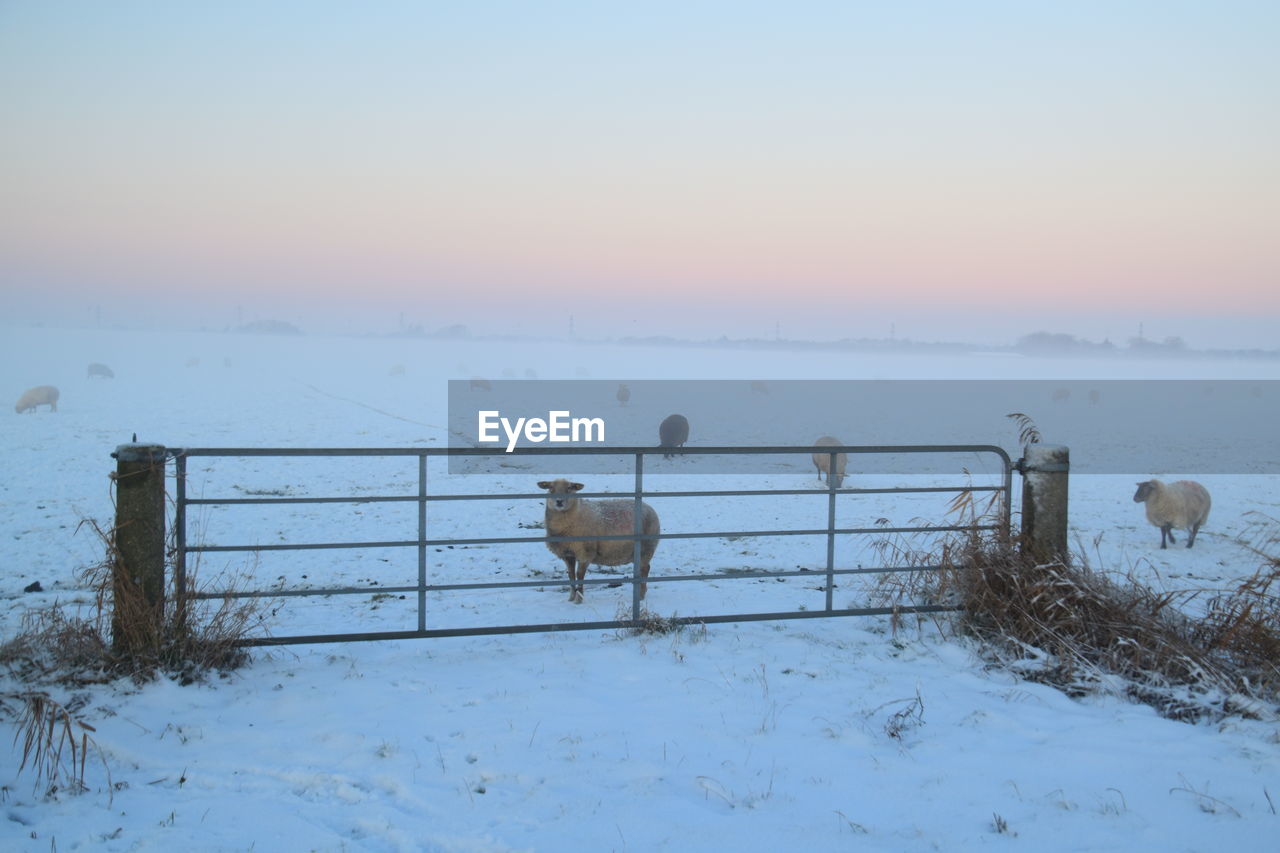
(818, 734)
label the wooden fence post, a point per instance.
(139, 552)
(1045, 470)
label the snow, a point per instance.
(816, 733)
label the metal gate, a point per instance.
(423, 542)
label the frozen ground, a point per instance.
(823, 734)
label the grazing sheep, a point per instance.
(822, 461)
(530, 373)
(568, 515)
(673, 432)
(41, 395)
(759, 387)
(396, 370)
(478, 384)
(100, 370)
(1061, 395)
(623, 395)
(193, 362)
(1184, 504)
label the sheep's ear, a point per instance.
(576, 487)
(545, 484)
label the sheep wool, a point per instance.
(41, 395)
(569, 515)
(822, 461)
(1183, 505)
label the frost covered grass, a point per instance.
(108, 638)
(821, 733)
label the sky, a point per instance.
(814, 169)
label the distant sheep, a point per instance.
(478, 384)
(673, 432)
(530, 373)
(759, 387)
(1184, 505)
(100, 370)
(623, 395)
(396, 370)
(569, 515)
(822, 461)
(41, 395)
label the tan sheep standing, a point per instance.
(569, 515)
(1184, 505)
(41, 395)
(822, 461)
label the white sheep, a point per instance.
(101, 371)
(822, 461)
(569, 515)
(41, 395)
(1184, 504)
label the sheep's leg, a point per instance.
(576, 596)
(1191, 538)
(569, 563)
(1166, 530)
(644, 575)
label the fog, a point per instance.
(622, 315)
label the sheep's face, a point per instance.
(561, 497)
(1144, 492)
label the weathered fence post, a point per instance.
(1045, 469)
(138, 555)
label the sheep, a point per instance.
(479, 384)
(623, 395)
(822, 461)
(100, 370)
(673, 432)
(1184, 504)
(759, 387)
(568, 515)
(41, 395)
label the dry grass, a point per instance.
(1083, 631)
(115, 636)
(48, 734)
(118, 636)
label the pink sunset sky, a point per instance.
(666, 168)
